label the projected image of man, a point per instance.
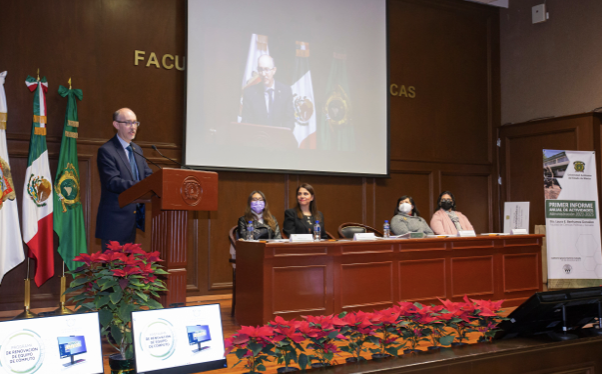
(270, 102)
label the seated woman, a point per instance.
(265, 225)
(302, 218)
(407, 218)
(446, 220)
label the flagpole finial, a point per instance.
(38, 74)
(69, 83)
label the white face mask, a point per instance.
(405, 207)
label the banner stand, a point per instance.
(27, 314)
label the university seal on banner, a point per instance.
(191, 191)
(67, 187)
(337, 108)
(7, 190)
(579, 166)
(39, 190)
(304, 109)
(567, 269)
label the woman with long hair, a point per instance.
(257, 210)
(407, 218)
(302, 218)
(446, 220)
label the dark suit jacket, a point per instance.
(294, 225)
(254, 109)
(113, 222)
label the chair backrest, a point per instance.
(232, 237)
(348, 229)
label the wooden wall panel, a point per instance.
(473, 193)
(358, 281)
(447, 49)
(480, 283)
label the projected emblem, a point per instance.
(191, 191)
(7, 191)
(337, 107)
(67, 187)
(304, 109)
(39, 190)
(22, 352)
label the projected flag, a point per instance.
(37, 192)
(258, 47)
(11, 244)
(68, 213)
(336, 128)
(303, 99)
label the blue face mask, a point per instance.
(257, 206)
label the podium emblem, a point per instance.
(191, 191)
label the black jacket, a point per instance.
(113, 222)
(295, 225)
(254, 109)
(260, 230)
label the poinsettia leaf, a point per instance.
(374, 340)
(161, 272)
(240, 353)
(142, 295)
(116, 333)
(303, 361)
(116, 294)
(105, 316)
(154, 304)
(333, 335)
(79, 281)
(392, 351)
(261, 367)
(254, 347)
(101, 301)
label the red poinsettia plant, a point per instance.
(459, 317)
(286, 341)
(487, 316)
(115, 283)
(322, 335)
(357, 328)
(386, 337)
(253, 345)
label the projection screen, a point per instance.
(287, 86)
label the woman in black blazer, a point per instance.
(302, 218)
(265, 225)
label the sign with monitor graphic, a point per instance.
(178, 340)
(50, 345)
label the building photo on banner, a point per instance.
(273, 186)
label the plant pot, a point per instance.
(319, 365)
(434, 348)
(287, 369)
(459, 344)
(120, 365)
(354, 360)
(381, 356)
(410, 351)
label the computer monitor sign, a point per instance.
(70, 346)
(198, 334)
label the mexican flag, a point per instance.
(68, 213)
(258, 47)
(303, 99)
(11, 244)
(336, 128)
(37, 191)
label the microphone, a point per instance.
(174, 161)
(141, 155)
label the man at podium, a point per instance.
(270, 102)
(120, 166)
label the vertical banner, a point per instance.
(572, 219)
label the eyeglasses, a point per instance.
(130, 123)
(262, 70)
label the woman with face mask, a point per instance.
(446, 220)
(407, 218)
(265, 225)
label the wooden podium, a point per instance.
(172, 193)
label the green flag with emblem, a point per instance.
(68, 213)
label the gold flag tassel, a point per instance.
(27, 313)
(62, 309)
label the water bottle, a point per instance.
(317, 231)
(386, 229)
(249, 231)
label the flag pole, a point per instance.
(62, 309)
(27, 313)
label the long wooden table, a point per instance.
(321, 278)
